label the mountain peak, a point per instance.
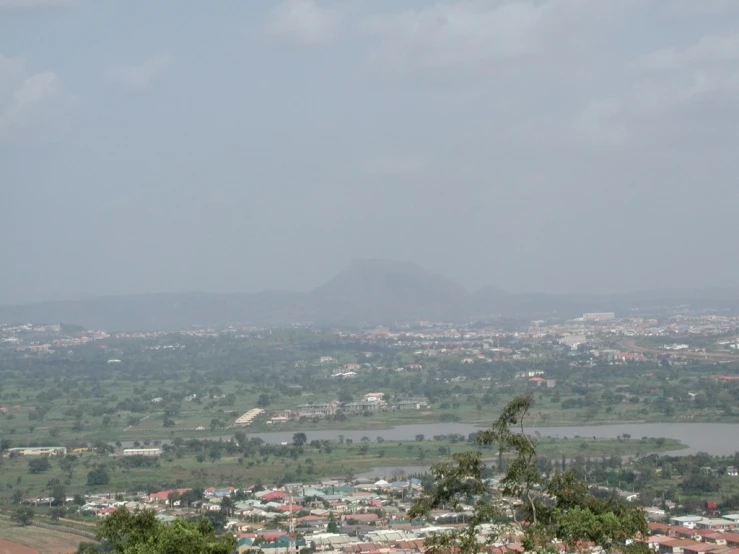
(387, 288)
(367, 290)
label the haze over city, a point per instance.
(369, 277)
(167, 146)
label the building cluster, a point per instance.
(595, 332)
(370, 516)
(365, 516)
(693, 534)
(372, 402)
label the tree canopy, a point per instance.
(24, 515)
(142, 533)
(549, 510)
(299, 439)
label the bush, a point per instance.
(39, 465)
(24, 516)
(98, 476)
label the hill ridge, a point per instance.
(366, 291)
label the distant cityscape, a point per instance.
(267, 430)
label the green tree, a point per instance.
(299, 439)
(98, 476)
(332, 527)
(142, 533)
(58, 494)
(189, 497)
(240, 437)
(264, 400)
(560, 507)
(214, 455)
(172, 497)
(39, 465)
(227, 505)
(696, 484)
(216, 519)
(24, 515)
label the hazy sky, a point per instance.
(162, 146)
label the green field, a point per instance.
(165, 386)
(180, 467)
(72, 397)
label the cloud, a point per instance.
(702, 7)
(394, 166)
(673, 77)
(473, 35)
(601, 122)
(21, 5)
(456, 34)
(26, 100)
(708, 50)
(303, 22)
(676, 88)
(139, 77)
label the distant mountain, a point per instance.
(381, 289)
(368, 291)
(148, 311)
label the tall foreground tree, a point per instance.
(142, 533)
(548, 510)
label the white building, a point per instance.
(142, 451)
(573, 341)
(38, 451)
(599, 316)
(248, 417)
(686, 521)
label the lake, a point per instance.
(713, 438)
(718, 439)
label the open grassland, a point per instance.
(168, 386)
(127, 426)
(175, 387)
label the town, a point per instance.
(303, 437)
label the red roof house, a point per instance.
(275, 495)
